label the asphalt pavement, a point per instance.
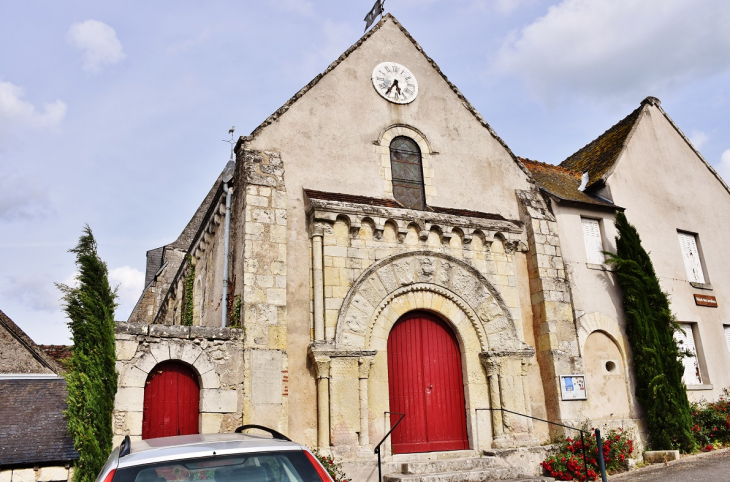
(710, 467)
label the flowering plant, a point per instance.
(333, 468)
(711, 422)
(568, 464)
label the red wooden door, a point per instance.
(171, 398)
(425, 383)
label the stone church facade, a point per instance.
(363, 237)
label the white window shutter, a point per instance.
(727, 336)
(593, 241)
(686, 342)
(691, 256)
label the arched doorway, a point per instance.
(425, 383)
(171, 398)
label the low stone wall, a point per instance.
(42, 474)
(215, 354)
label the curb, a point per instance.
(683, 460)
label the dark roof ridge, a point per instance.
(599, 156)
(281, 110)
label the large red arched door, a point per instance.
(425, 383)
(171, 397)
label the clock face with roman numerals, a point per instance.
(395, 83)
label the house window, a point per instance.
(686, 342)
(691, 255)
(727, 336)
(407, 173)
(593, 241)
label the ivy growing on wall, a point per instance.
(650, 327)
(235, 316)
(187, 313)
(91, 378)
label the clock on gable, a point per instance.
(395, 83)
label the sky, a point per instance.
(114, 113)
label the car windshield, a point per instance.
(280, 466)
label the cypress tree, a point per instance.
(91, 379)
(650, 327)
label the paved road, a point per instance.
(715, 467)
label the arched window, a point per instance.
(407, 173)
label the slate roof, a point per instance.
(562, 183)
(32, 425)
(599, 156)
(389, 203)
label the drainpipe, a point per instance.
(227, 176)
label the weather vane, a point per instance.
(231, 141)
(373, 13)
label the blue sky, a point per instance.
(113, 113)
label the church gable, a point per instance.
(336, 124)
(19, 354)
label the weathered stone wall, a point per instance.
(39, 474)
(215, 354)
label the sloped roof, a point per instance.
(37, 353)
(32, 426)
(59, 353)
(389, 203)
(562, 183)
(387, 17)
(599, 156)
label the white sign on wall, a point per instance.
(573, 387)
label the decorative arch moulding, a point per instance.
(397, 281)
(325, 212)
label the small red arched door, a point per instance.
(171, 397)
(425, 383)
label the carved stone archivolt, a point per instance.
(425, 272)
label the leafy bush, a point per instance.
(333, 468)
(711, 422)
(567, 464)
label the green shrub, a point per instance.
(711, 422)
(567, 464)
(187, 314)
(333, 468)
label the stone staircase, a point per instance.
(463, 466)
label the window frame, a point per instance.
(589, 259)
(705, 280)
(408, 183)
(692, 328)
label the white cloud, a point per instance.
(698, 139)
(15, 110)
(98, 41)
(31, 291)
(616, 48)
(22, 198)
(131, 283)
(723, 167)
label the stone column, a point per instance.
(364, 370)
(526, 393)
(318, 281)
(322, 367)
(495, 398)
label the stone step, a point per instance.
(486, 475)
(448, 465)
(424, 456)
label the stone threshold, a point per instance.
(686, 458)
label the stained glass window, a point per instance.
(407, 173)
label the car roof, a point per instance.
(201, 445)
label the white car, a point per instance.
(232, 457)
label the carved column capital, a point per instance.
(364, 364)
(318, 228)
(322, 366)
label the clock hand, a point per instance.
(394, 84)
